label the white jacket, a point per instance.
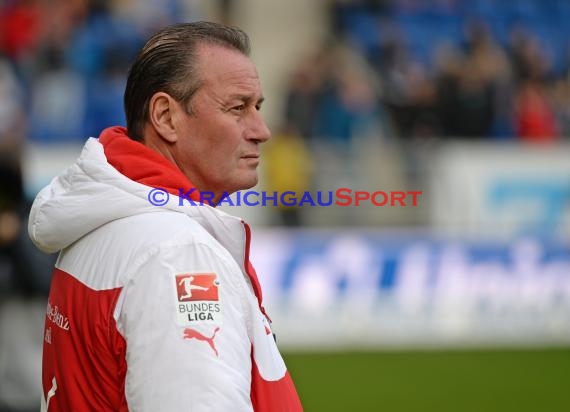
(151, 308)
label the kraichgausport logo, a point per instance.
(340, 197)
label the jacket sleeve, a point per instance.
(185, 325)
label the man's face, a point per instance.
(218, 144)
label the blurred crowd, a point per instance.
(481, 69)
(66, 61)
(407, 74)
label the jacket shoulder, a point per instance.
(103, 258)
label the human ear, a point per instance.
(161, 108)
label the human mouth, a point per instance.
(251, 156)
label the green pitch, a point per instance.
(454, 381)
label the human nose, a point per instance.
(258, 129)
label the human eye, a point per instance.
(238, 108)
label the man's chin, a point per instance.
(248, 186)
(245, 184)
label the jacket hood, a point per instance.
(110, 180)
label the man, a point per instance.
(158, 308)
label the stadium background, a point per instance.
(460, 303)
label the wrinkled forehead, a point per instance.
(227, 68)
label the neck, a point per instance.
(156, 143)
(159, 145)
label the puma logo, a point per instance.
(190, 333)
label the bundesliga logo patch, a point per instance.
(198, 299)
(198, 286)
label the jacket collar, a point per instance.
(141, 164)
